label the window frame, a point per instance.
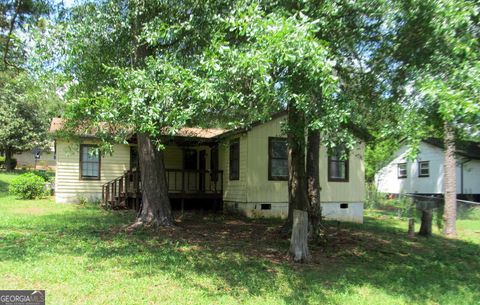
(237, 176)
(82, 177)
(399, 176)
(270, 158)
(420, 175)
(347, 169)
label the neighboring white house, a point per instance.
(425, 174)
(246, 169)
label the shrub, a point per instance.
(47, 176)
(2, 162)
(28, 186)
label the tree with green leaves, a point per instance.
(437, 69)
(155, 67)
(133, 66)
(152, 68)
(23, 115)
(25, 105)
(159, 72)
(287, 65)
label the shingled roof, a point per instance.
(467, 149)
(57, 124)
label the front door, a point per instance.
(190, 166)
(202, 166)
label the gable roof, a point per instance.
(467, 149)
(357, 131)
(57, 124)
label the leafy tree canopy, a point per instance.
(23, 116)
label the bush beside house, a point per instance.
(28, 186)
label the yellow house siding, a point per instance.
(254, 165)
(68, 185)
(259, 188)
(234, 190)
(351, 191)
(173, 157)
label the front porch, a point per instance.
(126, 190)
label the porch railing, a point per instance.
(194, 181)
(126, 190)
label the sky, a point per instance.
(68, 3)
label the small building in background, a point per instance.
(37, 158)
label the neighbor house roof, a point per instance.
(58, 124)
(467, 149)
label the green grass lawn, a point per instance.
(82, 255)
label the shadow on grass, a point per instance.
(3, 189)
(249, 257)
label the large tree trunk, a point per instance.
(297, 176)
(156, 210)
(287, 226)
(450, 213)
(9, 164)
(299, 240)
(313, 176)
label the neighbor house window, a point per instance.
(337, 167)
(235, 160)
(402, 170)
(89, 162)
(423, 169)
(277, 159)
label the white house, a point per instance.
(425, 174)
(245, 169)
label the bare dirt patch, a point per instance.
(262, 238)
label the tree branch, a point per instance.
(9, 35)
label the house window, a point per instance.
(235, 160)
(337, 167)
(277, 159)
(402, 170)
(89, 162)
(423, 169)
